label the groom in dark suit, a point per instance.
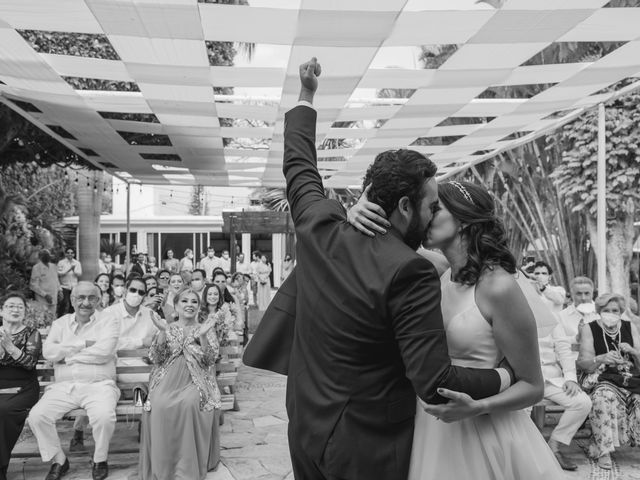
(368, 328)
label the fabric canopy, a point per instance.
(365, 47)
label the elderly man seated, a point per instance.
(82, 347)
(561, 387)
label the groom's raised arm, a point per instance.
(414, 306)
(300, 164)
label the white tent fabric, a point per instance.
(363, 46)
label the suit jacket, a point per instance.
(368, 331)
(270, 346)
(137, 268)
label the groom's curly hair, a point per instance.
(395, 174)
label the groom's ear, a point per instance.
(405, 207)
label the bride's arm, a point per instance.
(503, 304)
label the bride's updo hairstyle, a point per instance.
(474, 208)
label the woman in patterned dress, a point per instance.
(611, 345)
(180, 426)
(20, 348)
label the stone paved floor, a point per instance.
(254, 443)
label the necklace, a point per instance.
(616, 337)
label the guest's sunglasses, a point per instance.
(139, 292)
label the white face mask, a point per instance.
(118, 291)
(196, 284)
(610, 320)
(586, 308)
(133, 299)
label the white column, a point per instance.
(601, 203)
(159, 255)
(246, 246)
(142, 241)
(276, 248)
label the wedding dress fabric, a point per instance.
(499, 446)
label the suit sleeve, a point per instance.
(304, 184)
(414, 304)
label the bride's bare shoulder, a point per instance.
(496, 281)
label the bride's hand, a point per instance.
(460, 406)
(367, 216)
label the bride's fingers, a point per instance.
(450, 394)
(377, 210)
(375, 216)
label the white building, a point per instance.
(160, 220)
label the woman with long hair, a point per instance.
(20, 348)
(103, 281)
(486, 318)
(180, 435)
(214, 306)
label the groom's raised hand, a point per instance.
(309, 73)
(459, 407)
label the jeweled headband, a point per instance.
(463, 191)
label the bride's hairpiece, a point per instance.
(463, 191)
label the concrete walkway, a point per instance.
(254, 443)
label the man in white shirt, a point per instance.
(82, 348)
(198, 282)
(561, 387)
(209, 263)
(581, 311)
(69, 272)
(554, 296)
(242, 265)
(44, 283)
(225, 262)
(136, 331)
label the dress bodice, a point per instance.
(469, 336)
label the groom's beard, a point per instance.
(416, 233)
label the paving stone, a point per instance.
(267, 421)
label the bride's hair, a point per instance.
(487, 248)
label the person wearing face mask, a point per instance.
(225, 262)
(610, 355)
(582, 310)
(136, 331)
(197, 281)
(117, 288)
(554, 296)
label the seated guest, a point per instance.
(136, 331)
(180, 425)
(82, 348)
(561, 387)
(20, 348)
(553, 296)
(580, 311)
(610, 354)
(103, 281)
(117, 288)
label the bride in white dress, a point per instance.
(486, 318)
